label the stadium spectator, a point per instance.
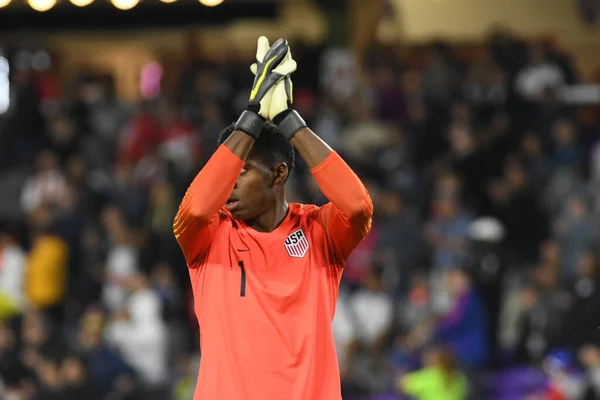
(439, 378)
(12, 276)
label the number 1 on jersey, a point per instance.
(243, 279)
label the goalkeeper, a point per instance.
(265, 273)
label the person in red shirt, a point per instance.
(265, 273)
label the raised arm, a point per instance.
(347, 217)
(198, 216)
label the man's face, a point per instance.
(254, 191)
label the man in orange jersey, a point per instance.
(265, 273)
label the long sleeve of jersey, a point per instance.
(348, 215)
(198, 214)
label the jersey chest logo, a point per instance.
(297, 244)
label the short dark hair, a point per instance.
(270, 147)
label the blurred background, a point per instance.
(474, 123)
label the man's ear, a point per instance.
(280, 173)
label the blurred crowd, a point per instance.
(480, 277)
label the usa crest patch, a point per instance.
(297, 244)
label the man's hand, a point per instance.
(273, 64)
(281, 99)
(281, 95)
(270, 69)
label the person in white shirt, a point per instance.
(361, 324)
(46, 186)
(373, 310)
(12, 270)
(139, 333)
(121, 262)
(344, 332)
(540, 74)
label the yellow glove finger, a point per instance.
(286, 67)
(262, 46)
(279, 99)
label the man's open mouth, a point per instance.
(231, 203)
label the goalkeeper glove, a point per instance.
(281, 110)
(270, 69)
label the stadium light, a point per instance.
(168, 1)
(4, 3)
(125, 4)
(210, 3)
(41, 5)
(81, 3)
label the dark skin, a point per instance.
(260, 188)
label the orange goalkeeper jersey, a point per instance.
(265, 301)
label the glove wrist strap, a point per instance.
(291, 124)
(250, 123)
